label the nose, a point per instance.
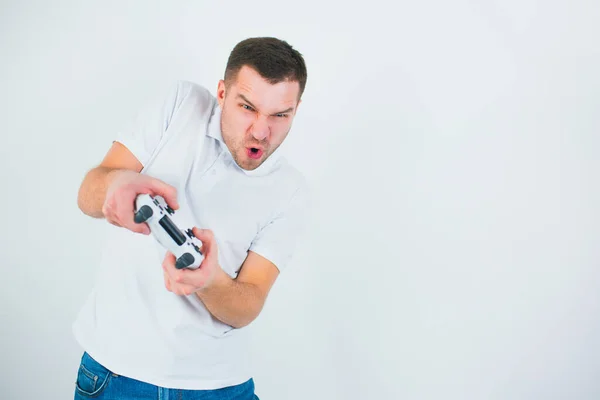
(260, 128)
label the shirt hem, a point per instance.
(186, 384)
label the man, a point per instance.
(149, 330)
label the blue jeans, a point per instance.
(95, 381)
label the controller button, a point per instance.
(184, 261)
(190, 233)
(142, 215)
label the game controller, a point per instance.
(182, 243)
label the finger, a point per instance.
(167, 281)
(191, 278)
(176, 275)
(187, 277)
(113, 211)
(207, 237)
(105, 210)
(109, 214)
(113, 223)
(176, 288)
(180, 289)
(168, 192)
(139, 228)
(168, 263)
(109, 205)
(185, 290)
(113, 220)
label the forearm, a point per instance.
(92, 192)
(232, 302)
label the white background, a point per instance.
(453, 151)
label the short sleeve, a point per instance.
(278, 239)
(143, 133)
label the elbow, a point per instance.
(80, 202)
(85, 200)
(243, 323)
(250, 316)
(81, 199)
(247, 317)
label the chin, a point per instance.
(248, 164)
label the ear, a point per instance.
(221, 92)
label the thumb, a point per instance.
(168, 192)
(207, 238)
(204, 235)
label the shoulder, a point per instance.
(195, 91)
(183, 94)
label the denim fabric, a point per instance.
(94, 381)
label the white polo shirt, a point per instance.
(130, 322)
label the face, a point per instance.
(256, 116)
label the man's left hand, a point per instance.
(187, 281)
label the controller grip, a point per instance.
(184, 261)
(143, 214)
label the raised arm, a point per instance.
(109, 190)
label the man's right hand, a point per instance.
(124, 187)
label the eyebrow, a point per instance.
(253, 106)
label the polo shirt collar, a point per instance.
(214, 131)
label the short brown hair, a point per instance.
(274, 59)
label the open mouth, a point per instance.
(254, 152)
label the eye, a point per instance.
(247, 107)
(281, 115)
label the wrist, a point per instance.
(112, 174)
(219, 280)
(109, 178)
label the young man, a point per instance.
(149, 330)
